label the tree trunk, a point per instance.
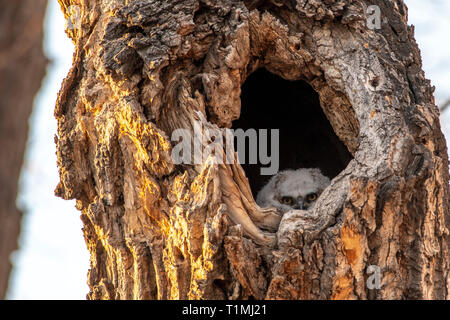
(157, 229)
(22, 67)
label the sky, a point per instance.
(431, 19)
(53, 261)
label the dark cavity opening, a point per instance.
(307, 139)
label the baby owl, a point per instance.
(293, 189)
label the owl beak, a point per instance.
(301, 205)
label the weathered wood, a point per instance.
(157, 230)
(22, 67)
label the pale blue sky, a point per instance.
(53, 261)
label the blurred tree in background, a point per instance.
(22, 68)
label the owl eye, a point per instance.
(287, 200)
(311, 197)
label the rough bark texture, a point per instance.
(157, 230)
(22, 67)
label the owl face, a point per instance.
(293, 190)
(300, 202)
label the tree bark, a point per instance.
(160, 230)
(22, 67)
